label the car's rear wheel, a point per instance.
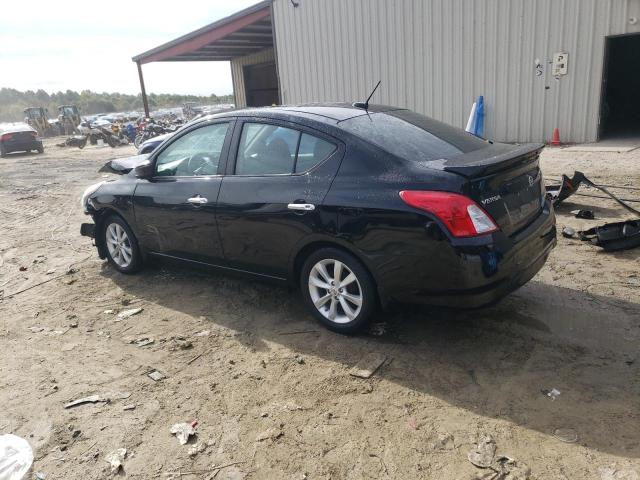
(121, 245)
(40, 149)
(338, 290)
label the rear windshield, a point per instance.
(412, 136)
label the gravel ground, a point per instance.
(271, 389)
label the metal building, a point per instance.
(540, 64)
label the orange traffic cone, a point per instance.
(555, 140)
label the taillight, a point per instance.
(5, 137)
(462, 216)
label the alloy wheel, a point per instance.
(119, 245)
(335, 291)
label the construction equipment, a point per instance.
(38, 118)
(69, 118)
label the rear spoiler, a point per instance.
(478, 164)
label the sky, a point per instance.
(85, 45)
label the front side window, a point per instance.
(271, 149)
(194, 154)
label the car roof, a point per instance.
(15, 127)
(332, 113)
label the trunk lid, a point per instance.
(505, 180)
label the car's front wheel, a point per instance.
(338, 290)
(121, 245)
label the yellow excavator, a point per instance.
(69, 119)
(38, 118)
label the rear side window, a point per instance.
(312, 151)
(271, 149)
(412, 136)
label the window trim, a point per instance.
(224, 153)
(300, 128)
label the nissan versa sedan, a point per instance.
(356, 207)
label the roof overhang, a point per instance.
(243, 33)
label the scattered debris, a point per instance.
(586, 214)
(368, 365)
(614, 236)
(143, 341)
(299, 359)
(270, 434)
(128, 313)
(116, 459)
(129, 407)
(203, 333)
(23, 269)
(569, 186)
(614, 473)
(566, 435)
(179, 343)
(109, 312)
(16, 457)
(51, 271)
(552, 394)
(40, 476)
(183, 431)
(197, 448)
(90, 399)
(377, 329)
(156, 375)
(568, 232)
(483, 453)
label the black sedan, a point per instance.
(19, 137)
(355, 207)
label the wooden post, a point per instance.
(145, 102)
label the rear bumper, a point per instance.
(470, 276)
(22, 145)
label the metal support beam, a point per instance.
(145, 102)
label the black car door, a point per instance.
(272, 193)
(175, 210)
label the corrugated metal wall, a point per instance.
(436, 56)
(237, 74)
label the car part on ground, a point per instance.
(403, 207)
(614, 236)
(569, 186)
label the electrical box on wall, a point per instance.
(559, 64)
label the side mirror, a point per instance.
(144, 171)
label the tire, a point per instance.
(138, 140)
(117, 236)
(40, 149)
(352, 304)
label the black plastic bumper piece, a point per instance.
(88, 230)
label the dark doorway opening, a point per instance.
(620, 106)
(261, 84)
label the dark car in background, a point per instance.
(355, 207)
(19, 137)
(150, 145)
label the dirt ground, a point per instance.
(271, 389)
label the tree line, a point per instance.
(13, 102)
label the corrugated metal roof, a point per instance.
(243, 33)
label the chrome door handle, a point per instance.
(197, 200)
(305, 207)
